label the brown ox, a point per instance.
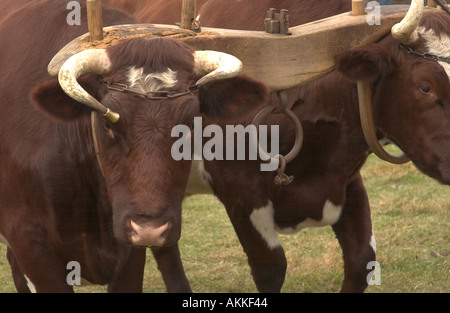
(60, 199)
(411, 97)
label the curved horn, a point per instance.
(403, 31)
(94, 61)
(215, 65)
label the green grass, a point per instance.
(410, 215)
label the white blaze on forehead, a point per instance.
(437, 45)
(263, 221)
(151, 82)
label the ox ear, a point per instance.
(366, 63)
(233, 97)
(49, 97)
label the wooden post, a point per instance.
(358, 7)
(188, 11)
(95, 19)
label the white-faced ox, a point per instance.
(411, 99)
(85, 170)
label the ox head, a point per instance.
(127, 88)
(411, 93)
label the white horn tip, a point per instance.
(218, 65)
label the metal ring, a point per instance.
(298, 129)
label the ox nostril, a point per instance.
(148, 231)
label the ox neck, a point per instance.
(332, 100)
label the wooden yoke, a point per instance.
(279, 61)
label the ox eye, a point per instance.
(425, 89)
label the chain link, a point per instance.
(425, 55)
(157, 95)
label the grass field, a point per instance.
(410, 214)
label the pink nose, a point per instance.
(149, 233)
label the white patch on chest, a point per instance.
(263, 221)
(439, 46)
(330, 215)
(199, 180)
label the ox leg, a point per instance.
(40, 268)
(171, 268)
(130, 278)
(354, 233)
(33, 255)
(265, 255)
(19, 280)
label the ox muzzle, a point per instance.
(150, 231)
